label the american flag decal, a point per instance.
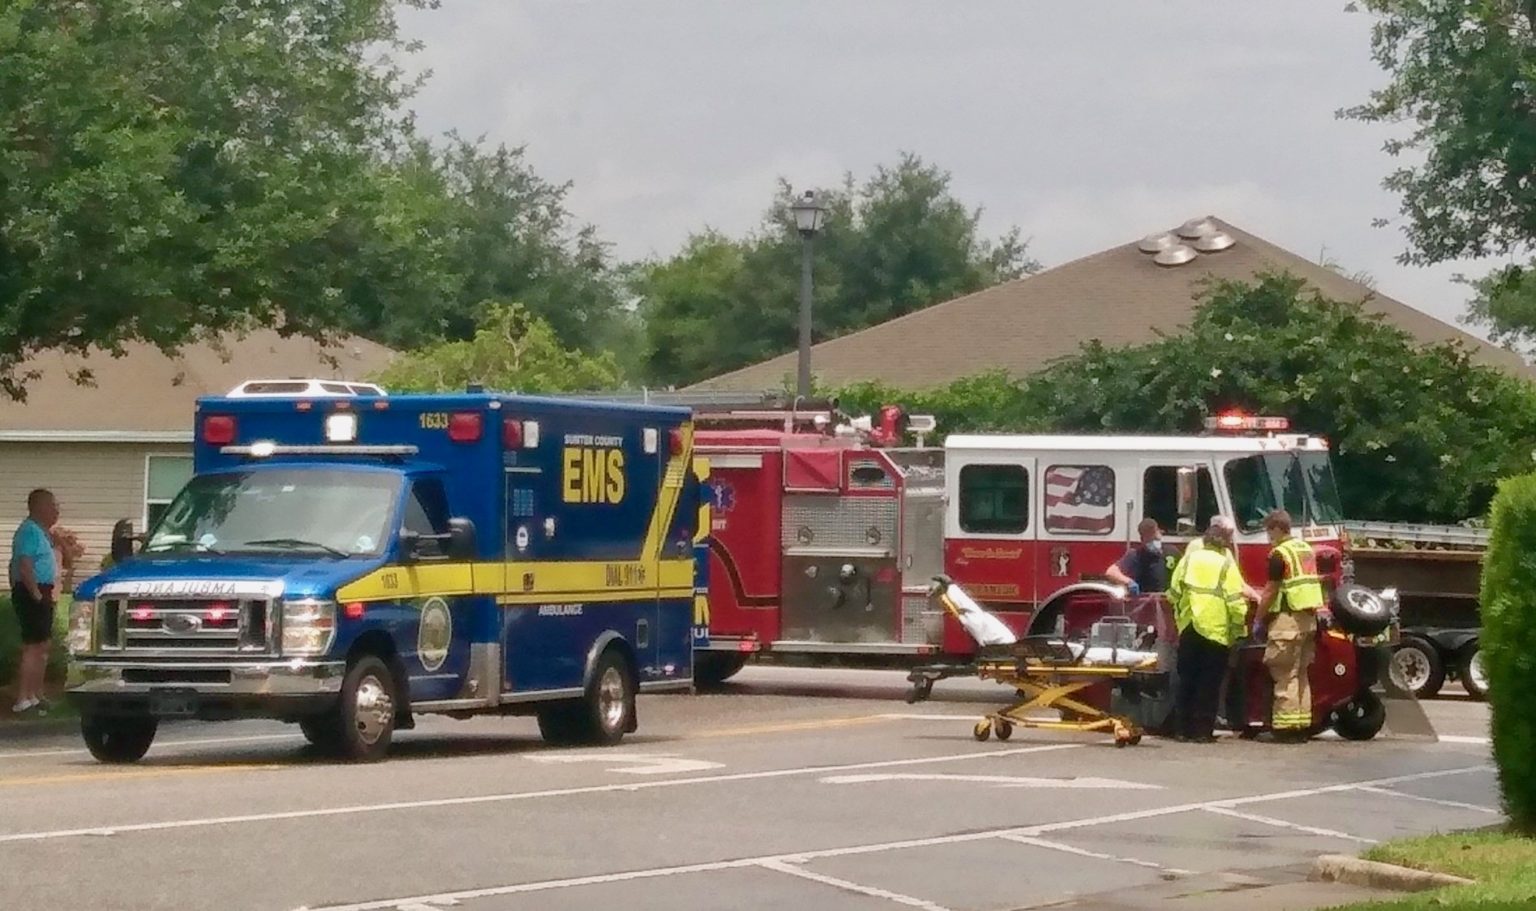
(1080, 498)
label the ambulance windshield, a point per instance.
(332, 512)
(1301, 483)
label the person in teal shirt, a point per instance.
(34, 575)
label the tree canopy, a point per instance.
(1419, 433)
(511, 350)
(896, 242)
(1460, 81)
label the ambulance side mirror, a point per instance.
(461, 539)
(122, 540)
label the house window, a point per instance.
(994, 499)
(1080, 499)
(164, 476)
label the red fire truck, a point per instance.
(825, 532)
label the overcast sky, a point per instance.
(1084, 124)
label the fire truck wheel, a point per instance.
(1473, 677)
(1362, 718)
(1416, 667)
(118, 740)
(366, 718)
(714, 668)
(1360, 611)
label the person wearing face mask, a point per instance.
(1143, 569)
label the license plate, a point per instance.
(171, 706)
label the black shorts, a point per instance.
(34, 617)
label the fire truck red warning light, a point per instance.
(1236, 420)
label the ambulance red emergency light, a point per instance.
(825, 536)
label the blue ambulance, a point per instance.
(345, 561)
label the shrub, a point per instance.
(10, 642)
(1509, 643)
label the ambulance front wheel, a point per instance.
(118, 740)
(366, 713)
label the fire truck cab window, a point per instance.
(1160, 498)
(994, 499)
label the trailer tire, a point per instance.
(118, 740)
(1362, 718)
(1360, 611)
(714, 668)
(365, 718)
(1418, 668)
(1473, 678)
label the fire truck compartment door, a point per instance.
(850, 596)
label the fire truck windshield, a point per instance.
(332, 511)
(1301, 483)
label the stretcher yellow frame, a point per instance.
(1050, 682)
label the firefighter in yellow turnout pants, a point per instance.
(1289, 605)
(1210, 611)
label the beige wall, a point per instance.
(96, 483)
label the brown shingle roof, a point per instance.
(145, 392)
(1119, 296)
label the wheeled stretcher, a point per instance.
(1047, 672)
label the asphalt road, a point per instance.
(817, 789)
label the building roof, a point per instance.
(145, 396)
(1119, 296)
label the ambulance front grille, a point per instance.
(185, 627)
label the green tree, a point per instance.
(494, 230)
(170, 167)
(1460, 80)
(1418, 433)
(511, 350)
(896, 242)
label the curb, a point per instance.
(1341, 868)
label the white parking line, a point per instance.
(1082, 852)
(1286, 824)
(454, 898)
(779, 866)
(521, 795)
(1454, 804)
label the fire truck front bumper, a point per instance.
(265, 689)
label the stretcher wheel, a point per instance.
(1003, 729)
(983, 730)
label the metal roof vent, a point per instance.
(1157, 243)
(1214, 243)
(1198, 227)
(1175, 256)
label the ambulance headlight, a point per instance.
(341, 427)
(82, 614)
(309, 627)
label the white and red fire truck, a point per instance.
(825, 533)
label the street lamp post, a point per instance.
(809, 218)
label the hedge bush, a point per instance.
(1509, 643)
(10, 642)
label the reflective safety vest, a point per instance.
(1302, 588)
(1207, 591)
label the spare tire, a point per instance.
(1359, 611)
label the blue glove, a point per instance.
(1132, 588)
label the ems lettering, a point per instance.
(592, 475)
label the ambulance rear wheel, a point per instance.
(366, 715)
(118, 740)
(323, 731)
(603, 716)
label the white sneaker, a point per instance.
(22, 706)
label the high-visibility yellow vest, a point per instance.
(1208, 594)
(1302, 588)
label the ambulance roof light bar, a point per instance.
(1236, 421)
(265, 449)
